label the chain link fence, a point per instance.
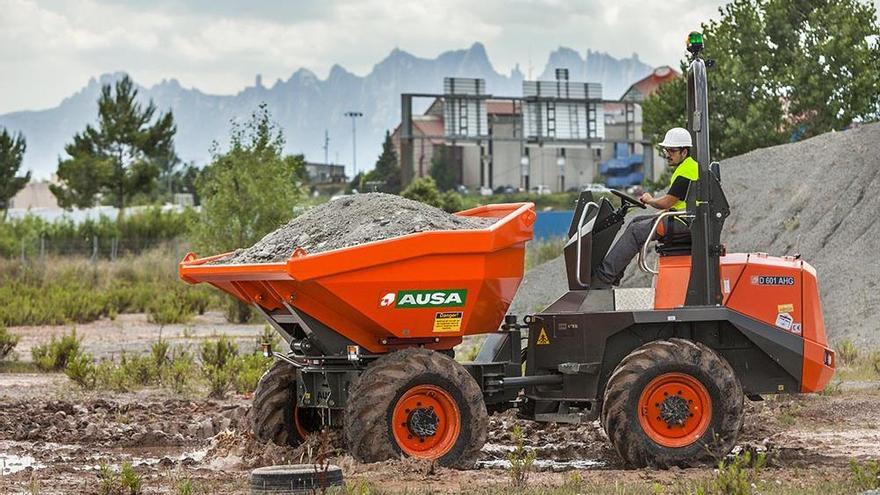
(94, 248)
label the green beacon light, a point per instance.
(695, 42)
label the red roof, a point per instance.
(502, 107)
(429, 127)
(648, 85)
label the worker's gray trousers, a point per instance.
(626, 248)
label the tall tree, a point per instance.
(120, 159)
(442, 170)
(247, 191)
(784, 70)
(12, 150)
(387, 169)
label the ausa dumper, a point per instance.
(371, 331)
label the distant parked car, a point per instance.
(594, 187)
(485, 191)
(540, 189)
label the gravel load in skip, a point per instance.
(820, 198)
(351, 221)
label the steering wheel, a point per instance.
(628, 199)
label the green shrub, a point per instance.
(169, 309)
(248, 371)
(424, 190)
(874, 361)
(451, 202)
(218, 353)
(219, 379)
(734, 476)
(81, 370)
(108, 481)
(865, 476)
(160, 352)
(847, 352)
(521, 460)
(55, 355)
(8, 341)
(180, 371)
(141, 370)
(129, 480)
(110, 376)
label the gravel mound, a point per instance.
(817, 197)
(351, 221)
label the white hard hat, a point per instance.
(677, 137)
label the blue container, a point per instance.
(550, 224)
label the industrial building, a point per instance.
(560, 135)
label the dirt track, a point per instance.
(53, 435)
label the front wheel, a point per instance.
(672, 403)
(418, 403)
(275, 416)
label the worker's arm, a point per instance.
(676, 193)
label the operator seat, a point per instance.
(676, 240)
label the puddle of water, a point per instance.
(545, 464)
(10, 464)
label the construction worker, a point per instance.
(677, 146)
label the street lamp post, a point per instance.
(354, 116)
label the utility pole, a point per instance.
(326, 146)
(354, 116)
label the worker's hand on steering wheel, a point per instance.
(646, 198)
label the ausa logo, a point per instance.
(424, 299)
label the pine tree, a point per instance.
(387, 169)
(123, 157)
(12, 150)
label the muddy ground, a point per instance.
(54, 438)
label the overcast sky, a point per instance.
(50, 48)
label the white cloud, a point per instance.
(50, 48)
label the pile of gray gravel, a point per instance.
(351, 221)
(819, 198)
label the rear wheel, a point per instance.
(418, 403)
(275, 416)
(672, 402)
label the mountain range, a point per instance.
(305, 105)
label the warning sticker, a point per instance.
(448, 321)
(542, 338)
(785, 308)
(784, 320)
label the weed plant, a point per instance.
(865, 476)
(55, 355)
(521, 460)
(8, 341)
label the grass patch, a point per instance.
(64, 290)
(8, 341)
(544, 250)
(55, 355)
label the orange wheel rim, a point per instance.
(675, 410)
(297, 423)
(426, 422)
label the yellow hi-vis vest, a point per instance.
(689, 170)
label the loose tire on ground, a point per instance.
(418, 403)
(293, 479)
(672, 403)
(272, 415)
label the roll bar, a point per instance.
(643, 253)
